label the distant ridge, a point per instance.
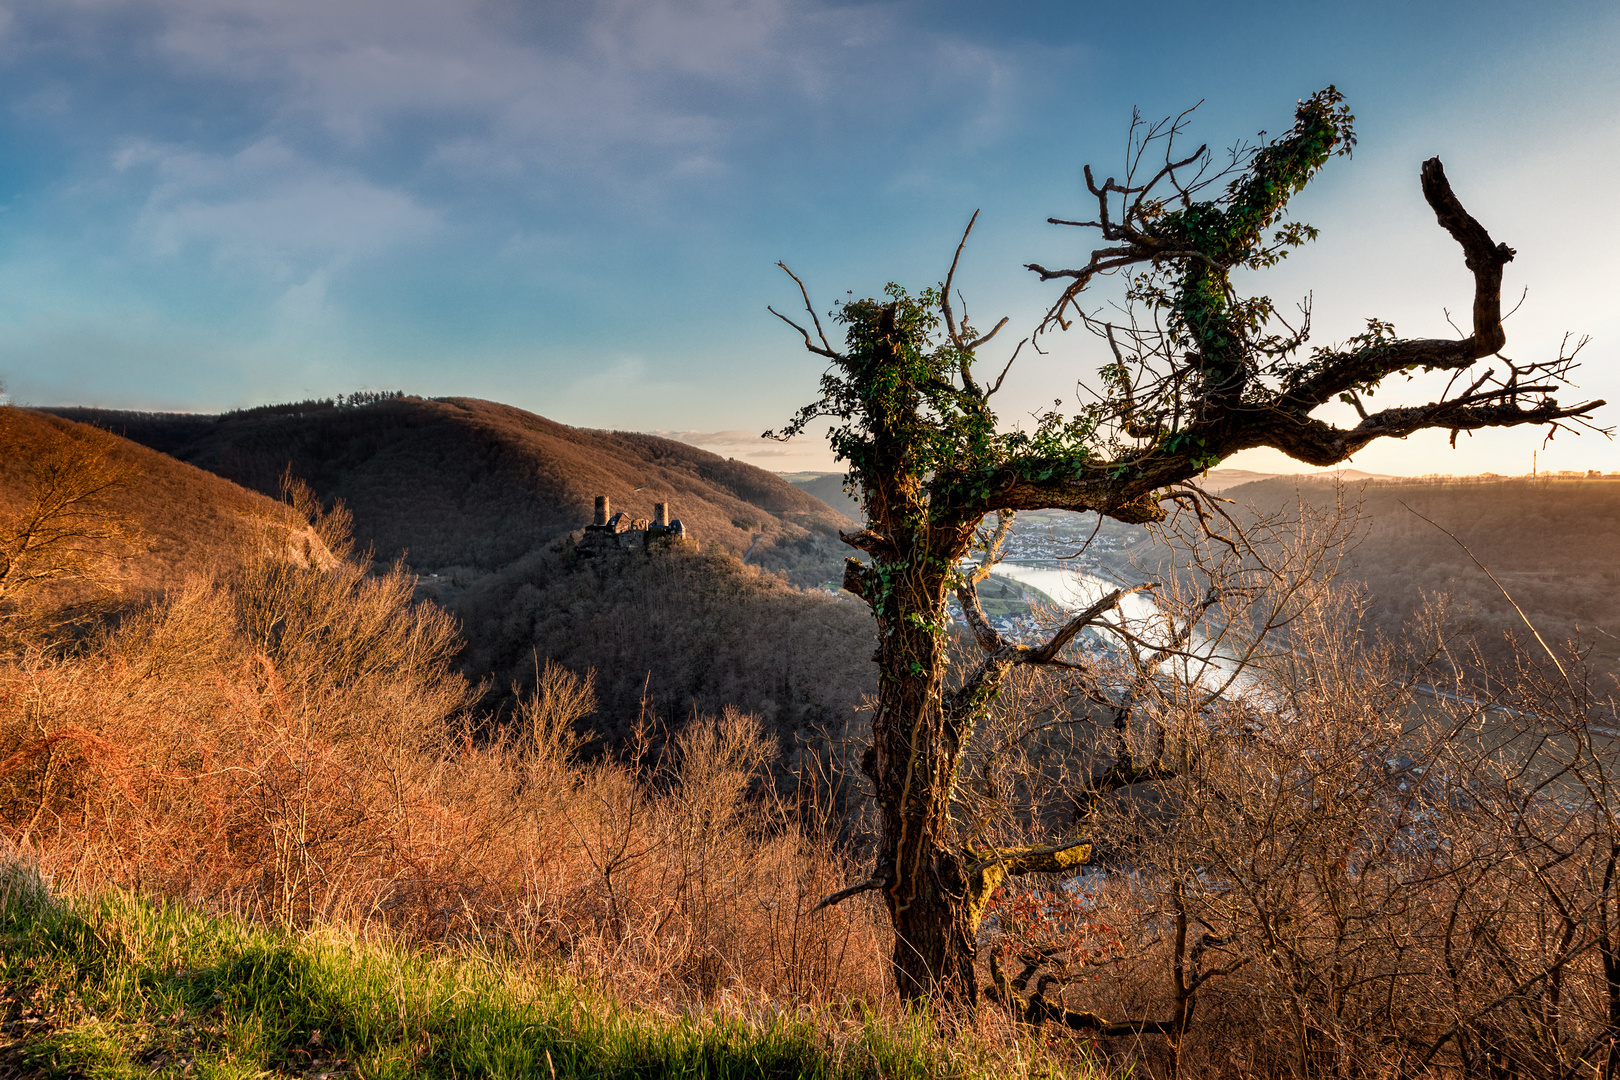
(1218, 480)
(1552, 542)
(460, 482)
(829, 488)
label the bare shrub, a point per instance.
(1361, 866)
(293, 741)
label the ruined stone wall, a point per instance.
(621, 532)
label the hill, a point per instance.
(829, 488)
(174, 518)
(1553, 543)
(482, 500)
(459, 482)
(1220, 480)
(684, 629)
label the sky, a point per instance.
(577, 208)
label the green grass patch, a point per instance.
(120, 986)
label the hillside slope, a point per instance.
(177, 518)
(829, 488)
(460, 482)
(1554, 544)
(482, 500)
(683, 629)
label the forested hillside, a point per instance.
(682, 630)
(482, 500)
(460, 482)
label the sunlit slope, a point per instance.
(1553, 543)
(175, 518)
(464, 482)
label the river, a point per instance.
(1075, 589)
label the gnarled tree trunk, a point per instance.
(916, 750)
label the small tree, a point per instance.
(1197, 372)
(64, 525)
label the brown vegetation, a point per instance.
(293, 741)
(89, 517)
(1341, 876)
(1336, 874)
(691, 629)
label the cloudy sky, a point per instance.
(576, 207)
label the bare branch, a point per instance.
(834, 899)
(945, 292)
(1481, 255)
(825, 348)
(1006, 369)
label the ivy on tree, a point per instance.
(1197, 372)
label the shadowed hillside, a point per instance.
(171, 518)
(482, 499)
(686, 628)
(1554, 544)
(461, 482)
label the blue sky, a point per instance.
(576, 207)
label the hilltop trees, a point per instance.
(1197, 372)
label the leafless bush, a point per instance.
(294, 742)
(1358, 866)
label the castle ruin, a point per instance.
(621, 532)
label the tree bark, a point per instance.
(916, 749)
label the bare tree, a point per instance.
(66, 525)
(1197, 373)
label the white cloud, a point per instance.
(268, 206)
(630, 93)
(731, 439)
(793, 455)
